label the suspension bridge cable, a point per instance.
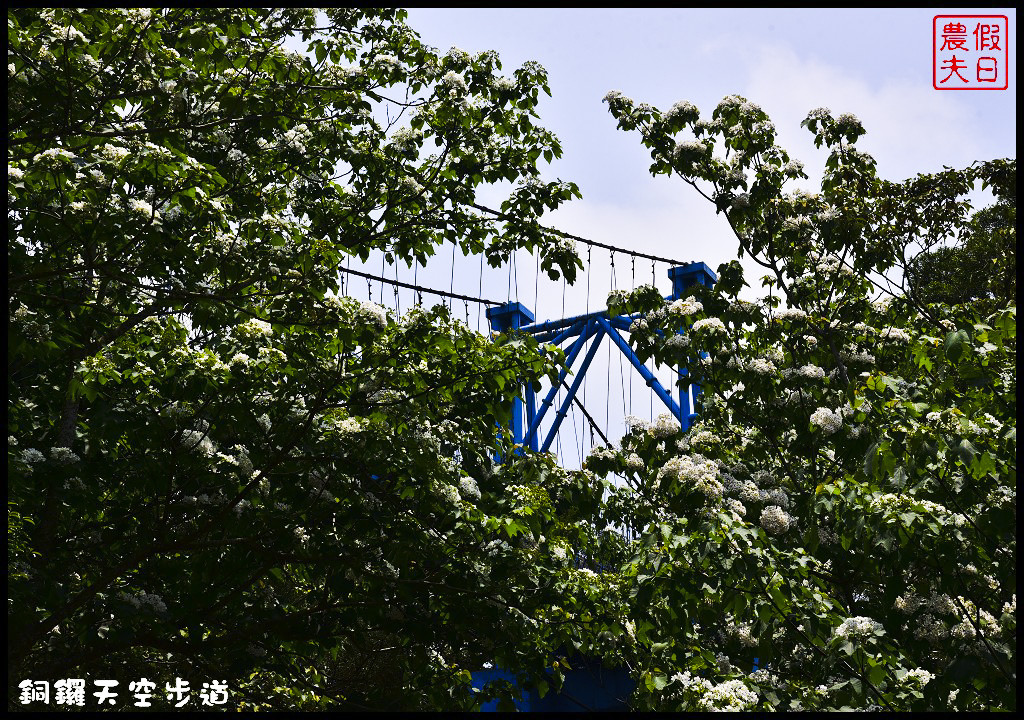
(588, 312)
(585, 241)
(451, 288)
(608, 362)
(480, 291)
(633, 286)
(398, 300)
(421, 290)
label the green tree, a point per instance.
(218, 468)
(844, 510)
(982, 266)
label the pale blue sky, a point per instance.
(873, 63)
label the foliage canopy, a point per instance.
(221, 469)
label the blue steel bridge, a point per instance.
(538, 416)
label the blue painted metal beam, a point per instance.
(646, 374)
(560, 415)
(683, 278)
(533, 432)
(511, 316)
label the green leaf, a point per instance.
(954, 345)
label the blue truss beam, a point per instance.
(560, 415)
(585, 334)
(594, 325)
(646, 374)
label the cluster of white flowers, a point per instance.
(790, 313)
(254, 328)
(853, 355)
(939, 603)
(114, 153)
(14, 174)
(702, 437)
(796, 223)
(794, 168)
(373, 314)
(199, 441)
(31, 456)
(762, 366)
(504, 83)
(455, 82)
(683, 110)
(406, 138)
(811, 371)
(741, 201)
(677, 342)
(696, 470)
(634, 462)
(600, 452)
(748, 491)
(775, 496)
(893, 503)
(297, 137)
(469, 488)
(560, 553)
(775, 520)
(388, 60)
(150, 600)
(689, 151)
(449, 493)
(827, 420)
(737, 507)
(895, 334)
(859, 626)
(635, 423)
(685, 306)
(665, 426)
(882, 302)
(729, 696)
(743, 306)
(714, 324)
(918, 677)
(53, 157)
(63, 455)
(264, 422)
(347, 427)
(742, 633)
(930, 629)
(141, 208)
(565, 245)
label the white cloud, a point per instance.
(910, 127)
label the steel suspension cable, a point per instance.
(585, 241)
(421, 290)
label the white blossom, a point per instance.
(63, 455)
(685, 306)
(811, 371)
(469, 488)
(683, 110)
(31, 455)
(827, 420)
(857, 627)
(775, 520)
(715, 325)
(454, 81)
